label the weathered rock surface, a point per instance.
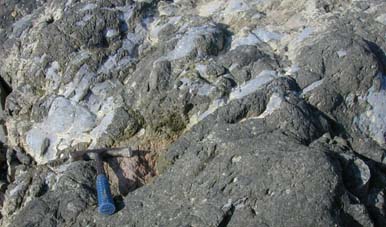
(241, 113)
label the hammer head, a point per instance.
(102, 152)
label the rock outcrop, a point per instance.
(239, 112)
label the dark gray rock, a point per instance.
(245, 61)
(355, 214)
(357, 175)
(72, 193)
(342, 75)
(213, 181)
(376, 204)
(159, 77)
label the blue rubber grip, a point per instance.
(105, 201)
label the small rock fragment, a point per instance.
(23, 157)
(357, 176)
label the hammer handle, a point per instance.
(99, 164)
(105, 201)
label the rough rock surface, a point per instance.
(239, 112)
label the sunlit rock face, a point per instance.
(238, 112)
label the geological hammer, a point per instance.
(105, 201)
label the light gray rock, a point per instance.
(67, 123)
(198, 42)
